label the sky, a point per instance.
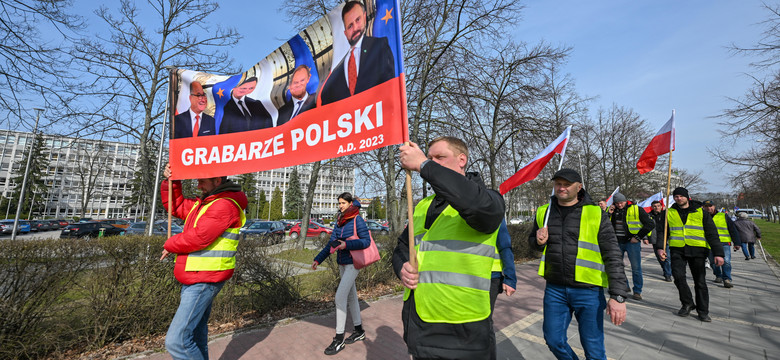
(650, 56)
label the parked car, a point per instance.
(54, 224)
(377, 228)
(22, 228)
(160, 228)
(63, 223)
(90, 229)
(120, 223)
(271, 232)
(315, 229)
(39, 225)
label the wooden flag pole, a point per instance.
(410, 216)
(668, 187)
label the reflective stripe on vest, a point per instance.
(691, 233)
(221, 254)
(723, 229)
(589, 266)
(454, 262)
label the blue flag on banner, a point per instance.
(221, 92)
(303, 56)
(387, 24)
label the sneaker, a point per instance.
(334, 347)
(668, 278)
(705, 318)
(686, 310)
(637, 296)
(727, 284)
(718, 280)
(356, 336)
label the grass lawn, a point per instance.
(305, 256)
(770, 237)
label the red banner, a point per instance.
(307, 101)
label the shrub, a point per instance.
(520, 247)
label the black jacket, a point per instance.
(483, 210)
(562, 242)
(710, 232)
(658, 232)
(620, 214)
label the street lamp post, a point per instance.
(24, 179)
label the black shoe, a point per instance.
(668, 278)
(747, 258)
(752, 257)
(356, 336)
(705, 318)
(686, 310)
(334, 347)
(718, 280)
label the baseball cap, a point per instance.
(567, 174)
(708, 203)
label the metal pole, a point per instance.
(150, 223)
(24, 179)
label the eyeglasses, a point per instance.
(199, 95)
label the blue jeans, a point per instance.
(724, 271)
(634, 251)
(752, 249)
(588, 305)
(666, 265)
(188, 335)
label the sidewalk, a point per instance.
(746, 324)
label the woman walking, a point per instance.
(748, 232)
(349, 223)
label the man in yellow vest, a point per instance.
(729, 235)
(205, 257)
(580, 258)
(632, 224)
(446, 311)
(692, 234)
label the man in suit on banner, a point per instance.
(301, 99)
(194, 121)
(369, 62)
(242, 113)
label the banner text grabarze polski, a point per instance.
(347, 124)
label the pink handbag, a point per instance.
(363, 257)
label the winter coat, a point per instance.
(562, 247)
(223, 214)
(342, 233)
(748, 230)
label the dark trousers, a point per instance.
(496, 287)
(699, 274)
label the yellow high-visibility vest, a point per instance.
(221, 254)
(589, 267)
(454, 262)
(691, 233)
(723, 230)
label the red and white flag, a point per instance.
(532, 169)
(609, 199)
(662, 143)
(647, 204)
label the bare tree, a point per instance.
(125, 73)
(34, 35)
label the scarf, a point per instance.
(349, 214)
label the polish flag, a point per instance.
(532, 169)
(662, 143)
(609, 199)
(647, 204)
